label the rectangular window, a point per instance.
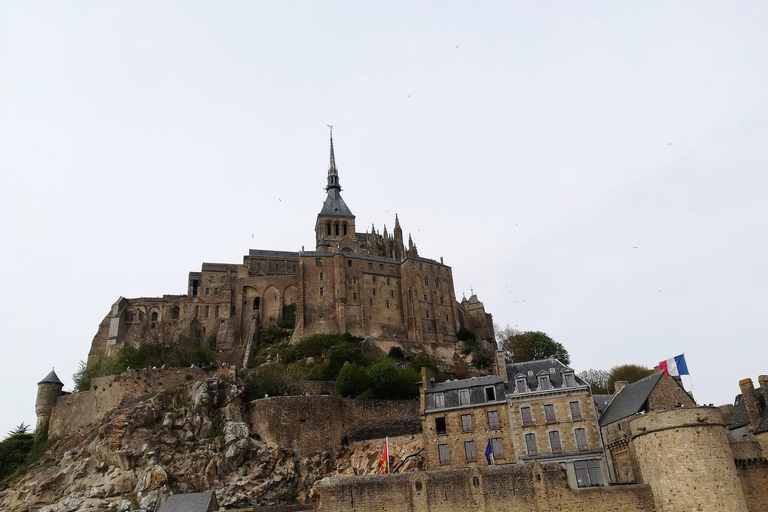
(440, 427)
(392, 293)
(525, 413)
(442, 451)
(521, 386)
(469, 450)
(321, 276)
(581, 439)
(493, 420)
(439, 400)
(370, 266)
(215, 292)
(588, 473)
(490, 394)
(211, 278)
(463, 397)
(575, 410)
(554, 441)
(349, 263)
(207, 292)
(530, 444)
(354, 295)
(217, 311)
(387, 304)
(321, 291)
(466, 423)
(549, 413)
(319, 262)
(387, 281)
(223, 279)
(381, 266)
(374, 292)
(497, 448)
(543, 382)
(570, 381)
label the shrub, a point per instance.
(273, 334)
(288, 319)
(352, 381)
(465, 335)
(270, 379)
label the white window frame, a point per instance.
(440, 397)
(464, 393)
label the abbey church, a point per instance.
(371, 284)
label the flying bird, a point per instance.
(635, 247)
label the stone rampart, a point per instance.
(753, 476)
(313, 424)
(684, 455)
(77, 411)
(510, 488)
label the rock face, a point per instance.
(187, 440)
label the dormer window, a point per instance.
(439, 400)
(569, 380)
(544, 381)
(521, 384)
(463, 397)
(490, 394)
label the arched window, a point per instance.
(345, 229)
(175, 314)
(437, 283)
(154, 316)
(426, 281)
(328, 229)
(337, 229)
(256, 302)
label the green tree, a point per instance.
(385, 379)
(14, 450)
(628, 372)
(597, 380)
(521, 346)
(352, 381)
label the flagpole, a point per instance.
(387, 454)
(693, 388)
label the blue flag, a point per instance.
(682, 368)
(489, 453)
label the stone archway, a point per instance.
(272, 305)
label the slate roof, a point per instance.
(630, 400)
(475, 385)
(262, 253)
(486, 380)
(740, 417)
(193, 502)
(536, 367)
(601, 402)
(334, 205)
(218, 267)
(51, 378)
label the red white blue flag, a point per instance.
(675, 367)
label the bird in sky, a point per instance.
(635, 247)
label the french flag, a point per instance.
(675, 366)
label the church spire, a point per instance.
(333, 173)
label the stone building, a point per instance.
(371, 284)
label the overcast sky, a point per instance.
(594, 170)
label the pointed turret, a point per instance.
(399, 249)
(335, 219)
(48, 392)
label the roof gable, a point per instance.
(630, 400)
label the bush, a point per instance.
(273, 334)
(387, 382)
(288, 319)
(270, 379)
(21, 450)
(465, 335)
(315, 346)
(352, 381)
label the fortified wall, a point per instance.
(313, 424)
(510, 488)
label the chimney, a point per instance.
(501, 365)
(727, 412)
(619, 385)
(750, 401)
(763, 380)
(424, 388)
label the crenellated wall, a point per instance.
(511, 488)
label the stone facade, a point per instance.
(370, 284)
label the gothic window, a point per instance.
(437, 283)
(154, 316)
(426, 281)
(354, 280)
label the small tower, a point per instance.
(48, 391)
(335, 220)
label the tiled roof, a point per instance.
(630, 400)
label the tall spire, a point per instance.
(333, 173)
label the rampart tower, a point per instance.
(48, 391)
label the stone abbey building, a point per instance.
(371, 284)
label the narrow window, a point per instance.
(321, 276)
(425, 297)
(354, 280)
(215, 292)
(207, 311)
(525, 413)
(469, 450)
(439, 400)
(441, 299)
(319, 262)
(321, 291)
(207, 292)
(446, 318)
(345, 229)
(374, 292)
(530, 444)
(349, 263)
(490, 394)
(554, 441)
(232, 311)
(581, 439)
(374, 279)
(440, 427)
(387, 304)
(493, 420)
(387, 281)
(154, 316)
(549, 413)
(328, 229)
(426, 281)
(442, 451)
(544, 382)
(466, 423)
(392, 293)
(521, 386)
(437, 283)
(575, 411)
(427, 314)
(217, 312)
(256, 303)
(371, 301)
(195, 284)
(587, 473)
(497, 448)
(354, 295)
(337, 229)
(463, 396)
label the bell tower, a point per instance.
(335, 220)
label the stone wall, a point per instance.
(684, 455)
(313, 424)
(753, 476)
(511, 488)
(77, 411)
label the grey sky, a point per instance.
(532, 145)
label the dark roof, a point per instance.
(262, 253)
(193, 502)
(51, 378)
(426, 260)
(219, 267)
(740, 416)
(334, 205)
(630, 400)
(601, 402)
(531, 370)
(486, 380)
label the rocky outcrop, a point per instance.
(187, 440)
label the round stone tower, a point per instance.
(685, 457)
(48, 391)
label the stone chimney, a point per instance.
(619, 385)
(763, 380)
(424, 388)
(750, 401)
(501, 365)
(727, 412)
